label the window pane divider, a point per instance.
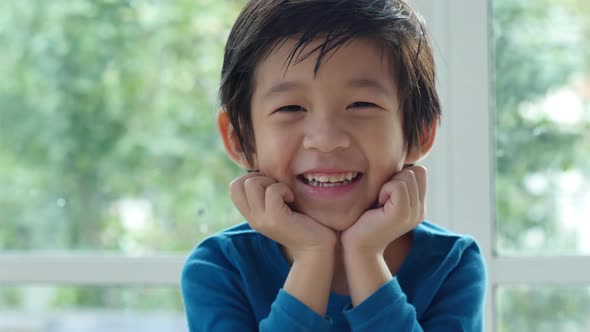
(564, 271)
(89, 269)
(98, 269)
(469, 159)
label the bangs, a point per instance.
(337, 23)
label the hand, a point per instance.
(263, 202)
(402, 208)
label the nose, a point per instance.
(325, 134)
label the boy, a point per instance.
(329, 103)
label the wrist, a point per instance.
(359, 257)
(320, 256)
(366, 271)
(310, 278)
(353, 250)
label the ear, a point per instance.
(426, 142)
(230, 140)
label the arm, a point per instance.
(309, 281)
(457, 305)
(301, 304)
(380, 304)
(215, 299)
(212, 292)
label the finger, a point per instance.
(255, 188)
(421, 175)
(237, 193)
(422, 180)
(409, 178)
(277, 196)
(397, 202)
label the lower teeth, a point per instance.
(328, 184)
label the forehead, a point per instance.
(365, 58)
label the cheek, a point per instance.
(275, 151)
(386, 152)
(385, 141)
(390, 160)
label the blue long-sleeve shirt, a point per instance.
(233, 281)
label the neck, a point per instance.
(394, 254)
(339, 282)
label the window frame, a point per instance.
(463, 159)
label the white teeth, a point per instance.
(330, 178)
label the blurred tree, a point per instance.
(541, 47)
(107, 136)
(112, 100)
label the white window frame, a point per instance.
(461, 166)
(461, 169)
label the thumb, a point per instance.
(277, 194)
(385, 193)
(394, 196)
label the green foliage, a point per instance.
(112, 100)
(543, 310)
(107, 110)
(540, 47)
(118, 298)
(107, 136)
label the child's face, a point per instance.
(345, 121)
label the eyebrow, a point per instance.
(368, 83)
(355, 83)
(283, 87)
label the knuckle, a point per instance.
(420, 170)
(249, 182)
(270, 194)
(409, 176)
(235, 185)
(420, 173)
(272, 189)
(400, 187)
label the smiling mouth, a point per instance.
(329, 182)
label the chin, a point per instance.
(336, 221)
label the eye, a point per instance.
(290, 108)
(362, 104)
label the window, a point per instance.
(106, 111)
(91, 309)
(542, 130)
(510, 165)
(110, 109)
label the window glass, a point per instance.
(107, 131)
(90, 309)
(543, 309)
(542, 104)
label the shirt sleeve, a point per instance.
(215, 299)
(457, 306)
(289, 314)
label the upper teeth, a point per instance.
(330, 178)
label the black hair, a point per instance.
(266, 24)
